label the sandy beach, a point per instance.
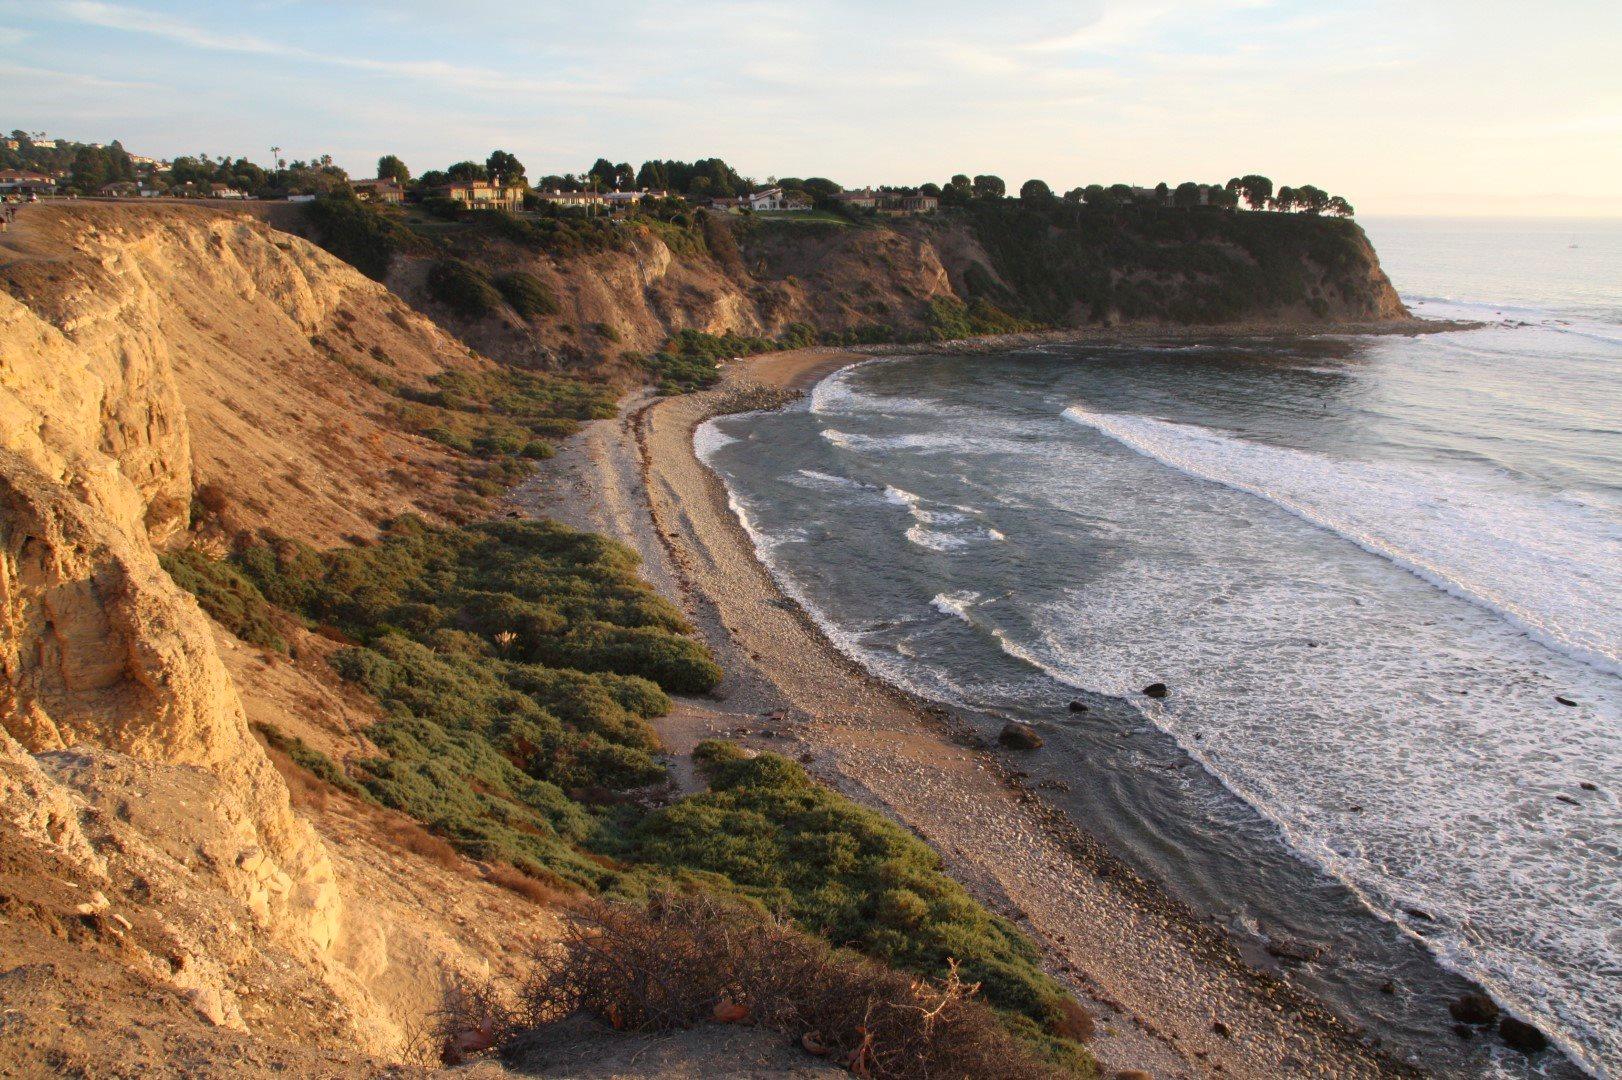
(1172, 994)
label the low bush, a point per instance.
(527, 294)
(461, 287)
(362, 234)
(792, 845)
(685, 960)
(311, 761)
(517, 664)
(230, 599)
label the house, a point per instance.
(225, 191)
(381, 190)
(44, 144)
(485, 195)
(301, 198)
(865, 199)
(774, 198)
(13, 180)
(889, 202)
(631, 198)
(119, 189)
(587, 199)
(11, 144)
(908, 204)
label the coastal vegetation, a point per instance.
(517, 666)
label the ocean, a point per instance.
(1381, 577)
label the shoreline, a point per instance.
(1172, 994)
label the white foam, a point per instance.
(708, 439)
(1548, 567)
(956, 604)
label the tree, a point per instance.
(1035, 192)
(503, 166)
(1256, 189)
(930, 189)
(624, 176)
(1313, 200)
(1340, 207)
(820, 187)
(1095, 195)
(1222, 195)
(464, 171)
(390, 167)
(89, 170)
(433, 178)
(990, 187)
(1163, 194)
(1120, 194)
(1187, 195)
(1285, 200)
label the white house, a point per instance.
(774, 198)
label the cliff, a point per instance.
(624, 287)
(147, 354)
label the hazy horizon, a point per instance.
(1429, 109)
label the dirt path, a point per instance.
(1172, 994)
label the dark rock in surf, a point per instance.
(1477, 1009)
(1388, 987)
(1520, 1035)
(1587, 786)
(1303, 952)
(1076, 706)
(1155, 690)
(1017, 736)
(1564, 700)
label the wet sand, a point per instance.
(1171, 992)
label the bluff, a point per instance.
(596, 293)
(152, 359)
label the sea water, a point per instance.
(1382, 577)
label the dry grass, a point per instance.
(541, 893)
(686, 960)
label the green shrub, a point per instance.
(462, 288)
(361, 234)
(844, 872)
(230, 598)
(527, 294)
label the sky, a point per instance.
(1477, 107)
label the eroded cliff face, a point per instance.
(876, 280)
(145, 352)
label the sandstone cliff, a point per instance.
(627, 287)
(147, 353)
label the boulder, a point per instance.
(1520, 1035)
(1477, 1009)
(1076, 706)
(1155, 690)
(1564, 700)
(1017, 736)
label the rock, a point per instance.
(1587, 786)
(1155, 690)
(1221, 1029)
(1477, 1009)
(1463, 1031)
(1076, 706)
(1289, 949)
(1568, 799)
(1562, 699)
(1520, 1035)
(730, 1012)
(1017, 736)
(1388, 987)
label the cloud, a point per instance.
(141, 21)
(72, 78)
